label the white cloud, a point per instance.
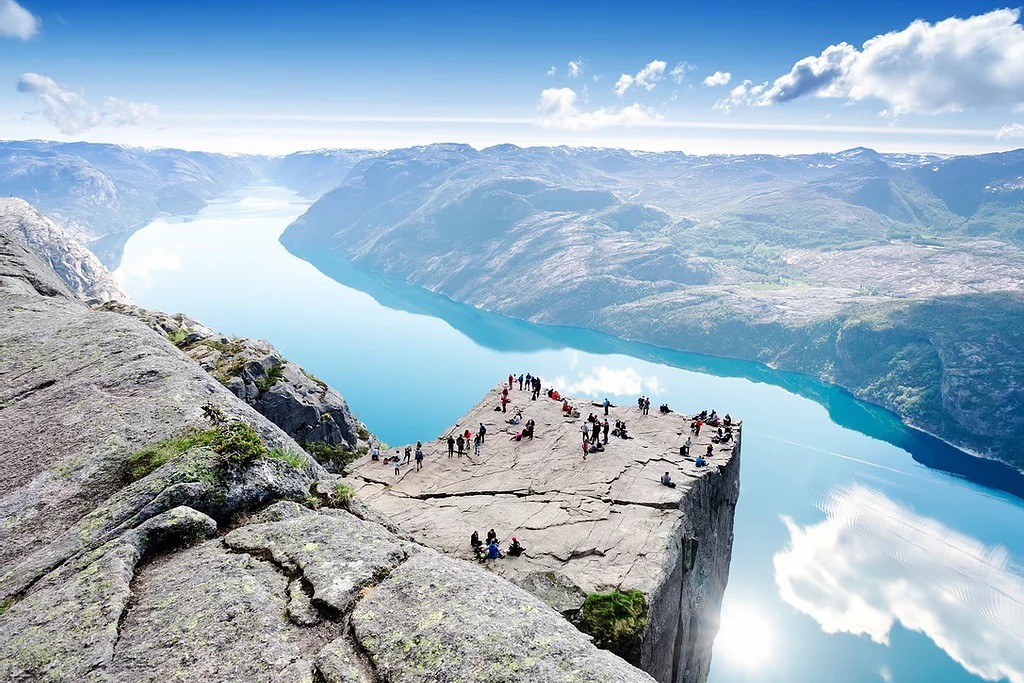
(678, 72)
(72, 113)
(16, 21)
(551, 71)
(576, 68)
(949, 66)
(1011, 131)
(873, 563)
(558, 109)
(718, 78)
(646, 77)
(622, 85)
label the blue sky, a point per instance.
(274, 76)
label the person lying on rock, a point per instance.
(516, 548)
(666, 480)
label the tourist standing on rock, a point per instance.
(595, 433)
(586, 447)
(686, 447)
(504, 403)
(477, 441)
(451, 445)
(520, 382)
(397, 469)
(419, 458)
(699, 424)
(607, 404)
(408, 454)
(647, 406)
(640, 403)
(482, 431)
(605, 427)
(510, 380)
(460, 443)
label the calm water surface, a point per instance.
(854, 560)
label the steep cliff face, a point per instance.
(640, 566)
(154, 527)
(78, 267)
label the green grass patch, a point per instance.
(236, 442)
(343, 493)
(291, 457)
(616, 621)
(363, 432)
(178, 337)
(316, 380)
(272, 378)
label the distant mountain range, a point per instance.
(900, 277)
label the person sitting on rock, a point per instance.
(516, 548)
(517, 418)
(528, 431)
(727, 420)
(666, 480)
(493, 552)
(492, 537)
(700, 462)
(474, 540)
(566, 408)
(664, 409)
(711, 449)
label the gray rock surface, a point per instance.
(596, 525)
(435, 620)
(216, 565)
(302, 405)
(78, 267)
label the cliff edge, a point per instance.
(605, 540)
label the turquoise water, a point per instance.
(856, 558)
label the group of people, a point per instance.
(397, 458)
(490, 550)
(528, 381)
(460, 443)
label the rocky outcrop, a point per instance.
(591, 527)
(155, 527)
(78, 267)
(308, 410)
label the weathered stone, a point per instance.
(335, 552)
(435, 619)
(555, 589)
(338, 662)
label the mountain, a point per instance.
(102, 193)
(899, 277)
(76, 266)
(314, 173)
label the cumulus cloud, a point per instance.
(1011, 131)
(718, 78)
(948, 66)
(873, 563)
(72, 113)
(16, 21)
(558, 109)
(576, 67)
(646, 77)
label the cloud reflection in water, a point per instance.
(873, 562)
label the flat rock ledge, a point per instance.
(596, 525)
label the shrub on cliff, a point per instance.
(616, 620)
